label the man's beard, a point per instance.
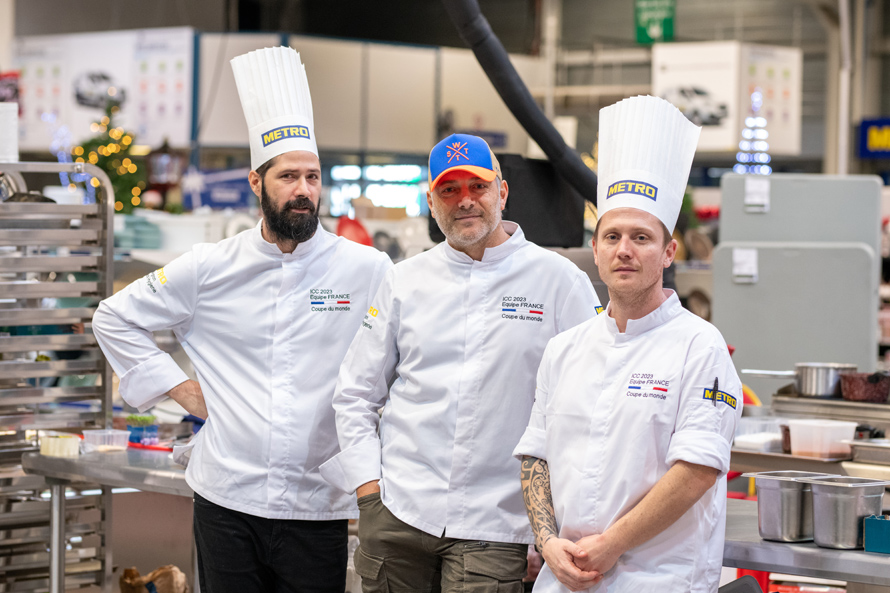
(287, 225)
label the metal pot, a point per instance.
(839, 506)
(812, 379)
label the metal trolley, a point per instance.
(55, 266)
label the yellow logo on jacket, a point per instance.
(285, 132)
(373, 312)
(639, 188)
(161, 277)
(722, 396)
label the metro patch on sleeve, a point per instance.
(722, 396)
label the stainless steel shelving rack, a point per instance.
(51, 251)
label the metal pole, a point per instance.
(551, 24)
(107, 530)
(57, 536)
(843, 104)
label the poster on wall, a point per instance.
(721, 85)
(66, 81)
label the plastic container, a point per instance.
(821, 438)
(872, 388)
(143, 435)
(105, 440)
(760, 434)
(60, 445)
(784, 505)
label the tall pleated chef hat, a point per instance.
(646, 147)
(275, 97)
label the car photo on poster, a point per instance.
(95, 89)
(697, 105)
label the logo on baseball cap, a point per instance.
(463, 152)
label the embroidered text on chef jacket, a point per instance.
(453, 344)
(266, 332)
(613, 412)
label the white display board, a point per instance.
(473, 102)
(720, 84)
(65, 79)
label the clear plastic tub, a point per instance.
(821, 438)
(762, 434)
(105, 440)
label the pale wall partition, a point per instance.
(220, 118)
(401, 99)
(334, 70)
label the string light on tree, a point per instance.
(109, 149)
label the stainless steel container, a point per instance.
(840, 504)
(785, 505)
(811, 379)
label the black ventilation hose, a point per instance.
(476, 33)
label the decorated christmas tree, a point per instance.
(110, 150)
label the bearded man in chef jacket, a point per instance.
(266, 318)
(450, 346)
(626, 452)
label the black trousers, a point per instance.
(241, 553)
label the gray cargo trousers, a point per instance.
(394, 557)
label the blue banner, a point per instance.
(874, 139)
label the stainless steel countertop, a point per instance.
(753, 461)
(143, 469)
(745, 549)
(154, 471)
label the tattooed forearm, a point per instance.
(538, 499)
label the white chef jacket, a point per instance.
(613, 412)
(266, 332)
(453, 345)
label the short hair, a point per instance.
(666, 238)
(264, 168)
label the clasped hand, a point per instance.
(582, 564)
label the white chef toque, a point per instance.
(646, 147)
(275, 97)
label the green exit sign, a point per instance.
(654, 20)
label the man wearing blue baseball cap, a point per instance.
(450, 347)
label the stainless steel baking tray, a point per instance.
(871, 451)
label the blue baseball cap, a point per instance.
(463, 152)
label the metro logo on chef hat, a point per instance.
(274, 95)
(646, 147)
(463, 152)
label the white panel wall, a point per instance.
(401, 99)
(334, 69)
(221, 120)
(473, 101)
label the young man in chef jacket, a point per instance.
(625, 455)
(266, 318)
(450, 346)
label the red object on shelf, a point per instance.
(707, 212)
(760, 576)
(150, 447)
(354, 231)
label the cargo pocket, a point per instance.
(495, 569)
(370, 568)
